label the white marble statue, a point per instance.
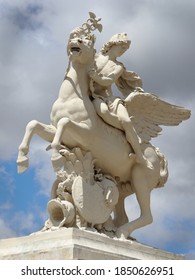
(101, 150)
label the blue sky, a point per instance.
(33, 36)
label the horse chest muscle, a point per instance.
(71, 102)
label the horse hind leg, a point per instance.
(120, 216)
(142, 192)
(33, 127)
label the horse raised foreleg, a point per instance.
(142, 192)
(33, 127)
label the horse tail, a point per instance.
(163, 169)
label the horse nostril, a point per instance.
(80, 41)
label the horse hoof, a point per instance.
(22, 163)
(122, 233)
(57, 162)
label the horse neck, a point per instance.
(81, 71)
(77, 75)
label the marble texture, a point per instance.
(76, 244)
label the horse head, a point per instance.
(81, 47)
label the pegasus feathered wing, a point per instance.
(149, 112)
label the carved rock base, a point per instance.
(75, 244)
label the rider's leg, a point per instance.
(121, 121)
(102, 110)
(131, 134)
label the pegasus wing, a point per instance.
(149, 112)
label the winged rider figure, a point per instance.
(110, 108)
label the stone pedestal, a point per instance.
(75, 244)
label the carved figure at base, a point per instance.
(90, 152)
(81, 196)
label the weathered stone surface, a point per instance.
(75, 244)
(101, 150)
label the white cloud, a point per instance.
(6, 206)
(24, 221)
(5, 230)
(41, 161)
(6, 180)
(20, 223)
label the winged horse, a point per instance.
(75, 123)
